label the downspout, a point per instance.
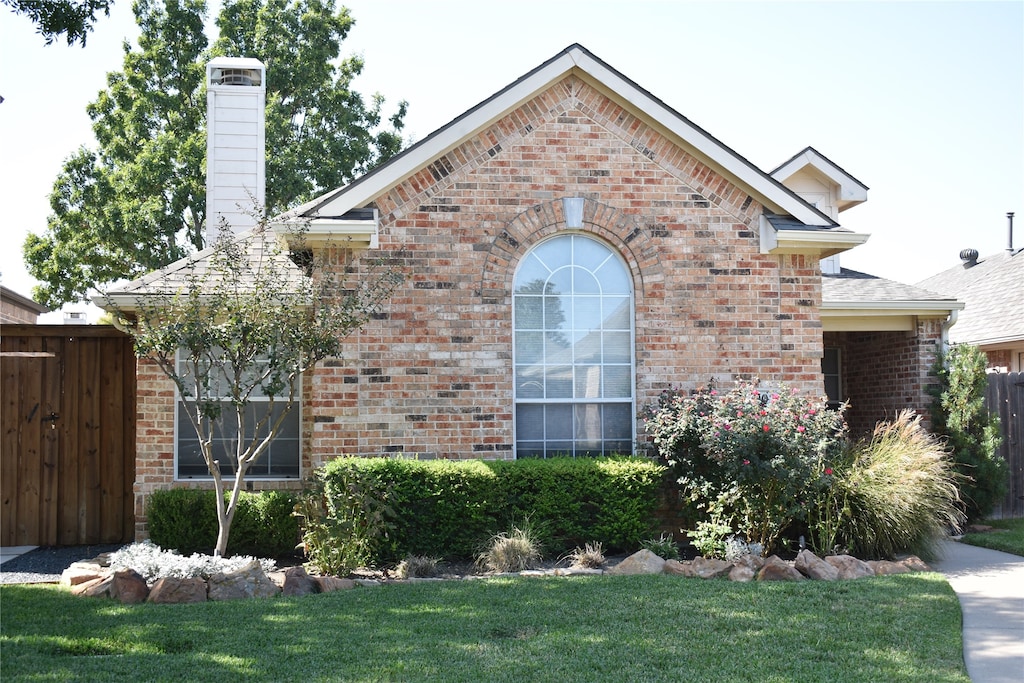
(944, 336)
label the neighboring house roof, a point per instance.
(851, 300)
(578, 61)
(993, 290)
(23, 309)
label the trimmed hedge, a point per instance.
(449, 509)
(185, 520)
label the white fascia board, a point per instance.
(365, 190)
(322, 231)
(923, 307)
(822, 243)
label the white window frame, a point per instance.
(181, 423)
(574, 401)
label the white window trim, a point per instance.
(632, 345)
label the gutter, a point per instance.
(949, 322)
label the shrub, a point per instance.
(958, 413)
(512, 551)
(152, 563)
(345, 517)
(664, 547)
(894, 492)
(417, 566)
(590, 556)
(756, 455)
(377, 510)
(186, 520)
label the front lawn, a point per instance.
(635, 628)
(1009, 536)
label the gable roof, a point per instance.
(993, 290)
(578, 61)
(851, 190)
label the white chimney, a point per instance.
(236, 94)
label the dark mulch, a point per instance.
(45, 564)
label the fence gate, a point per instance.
(1005, 397)
(67, 464)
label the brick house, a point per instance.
(572, 247)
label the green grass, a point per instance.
(1009, 538)
(643, 628)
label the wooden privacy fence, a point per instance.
(1005, 397)
(67, 465)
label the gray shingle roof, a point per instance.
(851, 286)
(993, 291)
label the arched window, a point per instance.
(573, 350)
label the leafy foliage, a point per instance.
(138, 201)
(346, 518)
(245, 323)
(972, 433)
(152, 563)
(185, 520)
(750, 458)
(71, 18)
(664, 546)
(379, 510)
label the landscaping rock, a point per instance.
(248, 582)
(298, 582)
(915, 564)
(849, 567)
(100, 587)
(775, 569)
(129, 587)
(754, 562)
(640, 562)
(677, 568)
(171, 590)
(578, 571)
(80, 572)
(711, 568)
(329, 584)
(813, 567)
(742, 573)
(887, 567)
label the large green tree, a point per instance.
(72, 19)
(138, 201)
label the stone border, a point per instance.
(94, 578)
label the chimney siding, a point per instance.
(235, 148)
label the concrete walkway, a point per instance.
(990, 586)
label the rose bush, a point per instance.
(754, 458)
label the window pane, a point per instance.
(616, 313)
(531, 276)
(583, 282)
(529, 347)
(588, 381)
(617, 382)
(530, 381)
(554, 253)
(529, 312)
(586, 313)
(530, 422)
(617, 347)
(558, 381)
(588, 425)
(558, 421)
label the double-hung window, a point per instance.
(573, 350)
(279, 461)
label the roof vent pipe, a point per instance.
(969, 257)
(1009, 232)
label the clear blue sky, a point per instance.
(923, 102)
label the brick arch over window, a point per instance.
(631, 235)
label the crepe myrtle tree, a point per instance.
(244, 321)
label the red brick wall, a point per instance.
(886, 372)
(433, 376)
